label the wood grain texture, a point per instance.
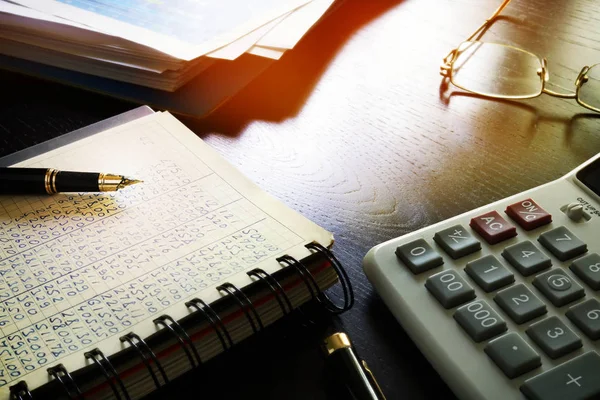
(353, 129)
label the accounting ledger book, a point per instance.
(114, 295)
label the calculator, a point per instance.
(504, 300)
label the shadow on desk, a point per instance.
(569, 121)
(282, 90)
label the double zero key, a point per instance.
(449, 288)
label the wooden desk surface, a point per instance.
(352, 129)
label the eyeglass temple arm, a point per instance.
(481, 28)
(489, 20)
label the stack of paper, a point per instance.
(161, 44)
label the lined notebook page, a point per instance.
(78, 271)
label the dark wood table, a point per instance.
(353, 129)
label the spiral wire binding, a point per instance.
(344, 280)
(244, 303)
(182, 336)
(213, 319)
(142, 348)
(60, 373)
(304, 273)
(275, 288)
(20, 391)
(107, 369)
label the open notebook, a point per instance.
(112, 295)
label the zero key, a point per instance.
(576, 379)
(419, 256)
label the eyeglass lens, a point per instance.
(589, 91)
(497, 70)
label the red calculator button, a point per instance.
(492, 227)
(528, 214)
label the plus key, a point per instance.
(492, 227)
(576, 379)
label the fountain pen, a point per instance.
(50, 181)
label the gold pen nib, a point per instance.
(112, 182)
(128, 182)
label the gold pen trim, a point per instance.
(109, 182)
(50, 180)
(336, 341)
(53, 181)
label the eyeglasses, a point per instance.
(506, 72)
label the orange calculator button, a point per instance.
(528, 214)
(492, 227)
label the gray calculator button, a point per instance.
(562, 243)
(419, 256)
(480, 320)
(457, 241)
(576, 379)
(520, 304)
(526, 258)
(586, 316)
(513, 355)
(588, 270)
(554, 337)
(449, 288)
(558, 287)
(489, 273)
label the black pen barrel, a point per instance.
(45, 181)
(67, 181)
(22, 180)
(347, 369)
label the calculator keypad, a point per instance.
(562, 243)
(457, 241)
(419, 256)
(480, 320)
(554, 337)
(520, 303)
(513, 355)
(526, 258)
(489, 273)
(558, 287)
(449, 288)
(586, 316)
(587, 268)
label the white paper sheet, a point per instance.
(291, 30)
(185, 29)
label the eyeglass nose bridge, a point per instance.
(582, 77)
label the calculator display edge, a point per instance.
(589, 176)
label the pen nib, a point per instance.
(128, 182)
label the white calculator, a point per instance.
(504, 300)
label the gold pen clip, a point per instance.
(373, 380)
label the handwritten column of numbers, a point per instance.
(77, 269)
